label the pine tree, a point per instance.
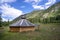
(0, 20)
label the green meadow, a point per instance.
(49, 31)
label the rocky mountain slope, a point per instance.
(52, 12)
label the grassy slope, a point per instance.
(46, 32)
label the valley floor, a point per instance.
(46, 32)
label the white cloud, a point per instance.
(47, 5)
(33, 1)
(36, 2)
(50, 2)
(10, 12)
(38, 7)
(7, 1)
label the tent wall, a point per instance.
(21, 29)
(14, 29)
(27, 29)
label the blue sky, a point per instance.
(11, 9)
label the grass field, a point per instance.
(45, 32)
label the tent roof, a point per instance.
(22, 22)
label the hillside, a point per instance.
(52, 13)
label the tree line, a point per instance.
(45, 20)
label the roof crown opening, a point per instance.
(23, 17)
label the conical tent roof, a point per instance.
(22, 22)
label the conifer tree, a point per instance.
(0, 20)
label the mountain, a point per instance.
(51, 14)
